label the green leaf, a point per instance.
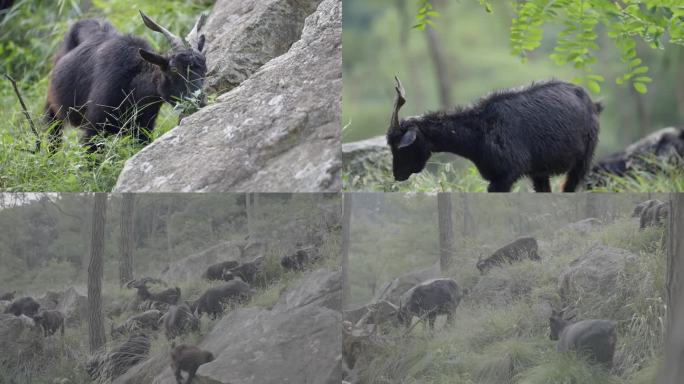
(640, 87)
(593, 86)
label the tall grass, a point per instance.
(506, 341)
(30, 33)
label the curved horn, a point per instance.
(193, 38)
(176, 42)
(398, 103)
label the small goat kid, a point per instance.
(102, 78)
(539, 131)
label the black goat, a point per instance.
(50, 321)
(23, 306)
(215, 271)
(249, 271)
(188, 358)
(102, 78)
(213, 299)
(545, 129)
(179, 319)
(168, 296)
(519, 249)
(148, 320)
(429, 299)
(595, 338)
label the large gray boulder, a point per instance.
(371, 154)
(298, 341)
(278, 131)
(20, 340)
(593, 275)
(242, 35)
(74, 306)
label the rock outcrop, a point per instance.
(279, 130)
(595, 273)
(370, 154)
(298, 341)
(20, 340)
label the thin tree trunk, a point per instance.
(346, 230)
(126, 245)
(674, 349)
(446, 230)
(441, 69)
(96, 329)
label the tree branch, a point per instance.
(24, 109)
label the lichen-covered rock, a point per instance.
(278, 131)
(298, 341)
(595, 273)
(371, 154)
(20, 340)
(242, 35)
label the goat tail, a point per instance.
(80, 32)
(598, 107)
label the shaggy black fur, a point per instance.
(101, 77)
(545, 129)
(188, 358)
(522, 248)
(50, 321)
(23, 306)
(213, 299)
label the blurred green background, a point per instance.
(379, 42)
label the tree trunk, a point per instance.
(96, 329)
(674, 349)
(249, 212)
(441, 69)
(126, 245)
(446, 230)
(346, 230)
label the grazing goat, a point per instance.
(9, 296)
(102, 78)
(539, 131)
(595, 338)
(213, 299)
(654, 215)
(215, 272)
(179, 319)
(50, 321)
(524, 247)
(664, 146)
(248, 271)
(188, 358)
(639, 208)
(430, 298)
(23, 306)
(148, 320)
(168, 296)
(296, 261)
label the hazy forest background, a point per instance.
(501, 332)
(473, 49)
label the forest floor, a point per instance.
(508, 343)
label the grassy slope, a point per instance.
(444, 177)
(510, 344)
(63, 359)
(41, 28)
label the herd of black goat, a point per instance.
(164, 309)
(595, 338)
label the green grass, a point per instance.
(29, 36)
(443, 176)
(508, 343)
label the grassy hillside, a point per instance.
(506, 340)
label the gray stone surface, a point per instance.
(278, 131)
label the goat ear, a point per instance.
(408, 138)
(154, 58)
(200, 43)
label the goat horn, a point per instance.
(194, 36)
(176, 42)
(398, 103)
